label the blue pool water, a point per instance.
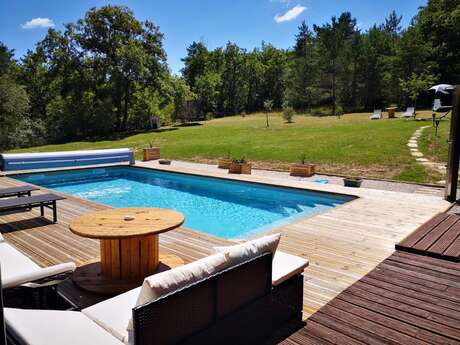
(228, 209)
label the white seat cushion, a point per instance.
(114, 314)
(285, 266)
(2, 239)
(14, 263)
(245, 251)
(50, 327)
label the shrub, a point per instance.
(288, 112)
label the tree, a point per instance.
(417, 83)
(332, 37)
(268, 106)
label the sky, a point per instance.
(214, 22)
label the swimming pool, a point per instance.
(224, 208)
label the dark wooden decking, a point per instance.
(439, 237)
(406, 299)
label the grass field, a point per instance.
(352, 145)
(435, 147)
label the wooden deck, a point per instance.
(440, 237)
(342, 244)
(406, 299)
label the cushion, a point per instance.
(50, 327)
(13, 262)
(166, 282)
(114, 314)
(22, 278)
(285, 266)
(250, 249)
(2, 239)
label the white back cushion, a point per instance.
(242, 252)
(165, 282)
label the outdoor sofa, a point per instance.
(239, 295)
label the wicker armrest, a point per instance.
(44, 277)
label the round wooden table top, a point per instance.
(126, 222)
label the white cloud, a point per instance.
(293, 13)
(38, 23)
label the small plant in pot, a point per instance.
(240, 166)
(302, 169)
(224, 163)
(352, 182)
(151, 152)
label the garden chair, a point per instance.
(376, 115)
(410, 112)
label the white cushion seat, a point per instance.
(18, 269)
(1, 238)
(114, 314)
(14, 262)
(51, 327)
(285, 266)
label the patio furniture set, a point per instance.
(238, 295)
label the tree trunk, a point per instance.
(125, 111)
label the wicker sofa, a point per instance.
(240, 304)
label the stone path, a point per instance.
(414, 151)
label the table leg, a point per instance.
(131, 258)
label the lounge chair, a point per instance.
(17, 191)
(410, 112)
(29, 202)
(19, 271)
(376, 115)
(50, 327)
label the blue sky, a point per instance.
(246, 22)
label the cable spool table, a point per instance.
(129, 245)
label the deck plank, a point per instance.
(383, 304)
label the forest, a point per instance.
(107, 74)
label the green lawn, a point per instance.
(435, 147)
(352, 145)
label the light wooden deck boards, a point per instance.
(342, 244)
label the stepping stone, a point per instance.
(412, 145)
(424, 160)
(417, 154)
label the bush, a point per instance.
(288, 113)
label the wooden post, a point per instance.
(450, 193)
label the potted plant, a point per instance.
(240, 166)
(352, 181)
(224, 163)
(151, 152)
(302, 169)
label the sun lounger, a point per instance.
(18, 270)
(17, 191)
(50, 327)
(410, 112)
(29, 202)
(376, 115)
